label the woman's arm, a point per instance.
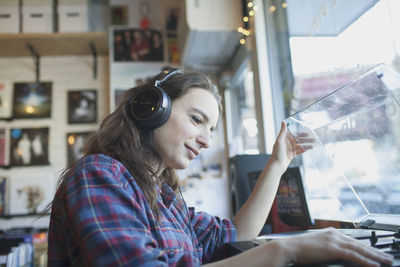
(252, 216)
(316, 247)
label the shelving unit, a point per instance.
(53, 44)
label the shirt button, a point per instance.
(171, 254)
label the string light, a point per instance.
(250, 11)
(251, 8)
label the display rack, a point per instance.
(53, 44)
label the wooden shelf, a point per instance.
(52, 44)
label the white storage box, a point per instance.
(37, 16)
(83, 15)
(73, 18)
(72, 15)
(9, 18)
(99, 15)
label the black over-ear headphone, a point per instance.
(150, 106)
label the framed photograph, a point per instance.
(5, 96)
(3, 195)
(82, 106)
(2, 146)
(124, 77)
(291, 201)
(32, 100)
(135, 44)
(29, 146)
(75, 145)
(30, 194)
(119, 15)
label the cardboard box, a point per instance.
(83, 15)
(73, 18)
(37, 16)
(9, 19)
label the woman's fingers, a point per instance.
(330, 244)
(367, 251)
(282, 131)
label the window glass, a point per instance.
(322, 64)
(242, 122)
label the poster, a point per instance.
(32, 100)
(75, 144)
(30, 194)
(82, 106)
(29, 146)
(2, 146)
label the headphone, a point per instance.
(150, 106)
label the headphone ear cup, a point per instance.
(149, 108)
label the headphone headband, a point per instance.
(167, 74)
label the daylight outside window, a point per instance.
(323, 63)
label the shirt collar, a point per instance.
(167, 194)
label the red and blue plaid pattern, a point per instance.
(102, 218)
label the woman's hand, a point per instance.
(287, 146)
(327, 245)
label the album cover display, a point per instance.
(136, 44)
(119, 14)
(3, 195)
(82, 106)
(75, 144)
(5, 105)
(29, 146)
(32, 100)
(2, 146)
(125, 77)
(30, 194)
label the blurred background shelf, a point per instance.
(53, 44)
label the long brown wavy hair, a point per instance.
(119, 138)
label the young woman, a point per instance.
(118, 205)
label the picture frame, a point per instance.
(3, 139)
(82, 106)
(75, 144)
(119, 14)
(136, 44)
(32, 100)
(291, 201)
(29, 146)
(125, 77)
(30, 194)
(4, 191)
(5, 99)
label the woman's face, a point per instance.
(187, 131)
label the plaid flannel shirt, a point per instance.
(102, 218)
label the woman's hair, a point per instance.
(119, 137)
